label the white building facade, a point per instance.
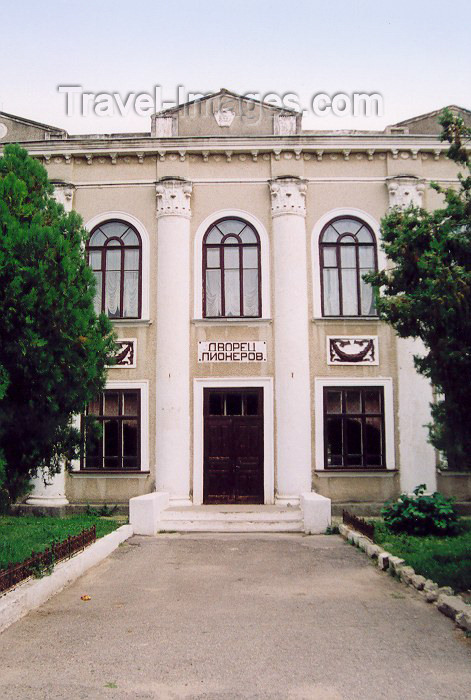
(229, 253)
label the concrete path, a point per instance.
(235, 616)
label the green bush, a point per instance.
(421, 514)
(446, 560)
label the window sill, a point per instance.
(357, 473)
(231, 321)
(346, 319)
(131, 321)
(102, 474)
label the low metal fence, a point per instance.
(359, 524)
(41, 562)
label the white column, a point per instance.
(417, 460)
(291, 330)
(48, 491)
(173, 339)
(52, 493)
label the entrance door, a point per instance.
(233, 446)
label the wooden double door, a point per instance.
(233, 446)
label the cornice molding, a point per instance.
(298, 147)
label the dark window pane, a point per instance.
(334, 401)
(334, 442)
(353, 401)
(130, 403)
(216, 405)
(251, 408)
(93, 439)
(111, 439)
(130, 463)
(111, 403)
(94, 407)
(374, 440)
(354, 440)
(233, 405)
(130, 438)
(372, 401)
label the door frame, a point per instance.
(265, 383)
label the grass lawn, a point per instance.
(445, 560)
(21, 535)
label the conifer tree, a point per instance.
(53, 346)
(427, 295)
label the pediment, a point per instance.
(428, 123)
(15, 129)
(225, 113)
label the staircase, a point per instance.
(231, 518)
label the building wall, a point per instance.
(341, 179)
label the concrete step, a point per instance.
(231, 526)
(261, 516)
(231, 518)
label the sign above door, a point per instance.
(232, 351)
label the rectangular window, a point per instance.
(111, 431)
(354, 427)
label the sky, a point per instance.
(415, 54)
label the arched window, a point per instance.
(115, 256)
(347, 252)
(231, 270)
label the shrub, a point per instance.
(421, 514)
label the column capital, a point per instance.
(405, 190)
(173, 197)
(288, 196)
(64, 193)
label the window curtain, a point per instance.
(251, 293)
(131, 294)
(213, 293)
(232, 292)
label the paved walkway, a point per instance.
(283, 617)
